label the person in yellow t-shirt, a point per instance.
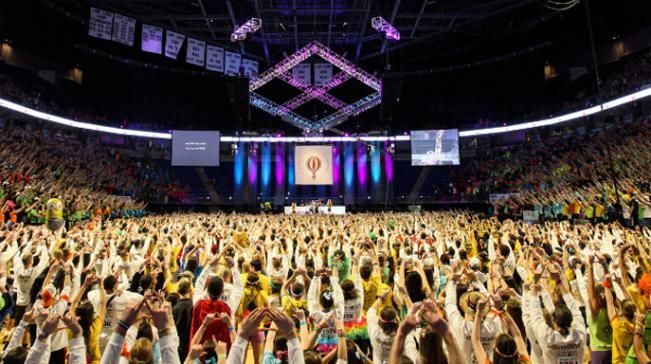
(264, 282)
(623, 326)
(254, 296)
(370, 283)
(90, 320)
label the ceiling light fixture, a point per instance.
(251, 26)
(381, 25)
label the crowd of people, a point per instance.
(446, 287)
(88, 179)
(569, 177)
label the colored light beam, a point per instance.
(376, 164)
(290, 166)
(280, 165)
(388, 163)
(361, 164)
(253, 170)
(349, 169)
(336, 165)
(238, 166)
(265, 168)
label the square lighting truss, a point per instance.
(283, 71)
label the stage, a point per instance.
(322, 210)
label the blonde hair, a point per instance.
(142, 352)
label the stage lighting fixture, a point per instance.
(251, 26)
(383, 26)
(283, 71)
(234, 149)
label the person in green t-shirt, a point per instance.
(601, 333)
(341, 262)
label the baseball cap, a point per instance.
(48, 295)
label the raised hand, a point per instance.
(412, 319)
(284, 323)
(50, 325)
(250, 324)
(72, 322)
(131, 314)
(431, 315)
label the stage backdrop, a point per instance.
(313, 164)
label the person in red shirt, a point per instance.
(218, 328)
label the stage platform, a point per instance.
(323, 210)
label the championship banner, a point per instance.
(303, 73)
(173, 43)
(100, 23)
(196, 52)
(152, 39)
(124, 29)
(215, 58)
(250, 68)
(322, 74)
(233, 61)
(313, 164)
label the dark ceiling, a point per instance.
(342, 24)
(438, 34)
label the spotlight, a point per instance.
(381, 25)
(251, 26)
(234, 149)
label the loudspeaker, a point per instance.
(391, 93)
(237, 89)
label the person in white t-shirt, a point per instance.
(564, 341)
(117, 302)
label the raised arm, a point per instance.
(638, 339)
(610, 306)
(477, 348)
(592, 294)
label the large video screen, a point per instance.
(313, 164)
(435, 147)
(195, 148)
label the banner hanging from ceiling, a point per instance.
(196, 52)
(322, 74)
(100, 24)
(152, 39)
(215, 58)
(124, 29)
(250, 68)
(173, 43)
(233, 61)
(303, 73)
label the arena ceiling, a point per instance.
(345, 25)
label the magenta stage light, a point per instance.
(282, 70)
(381, 25)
